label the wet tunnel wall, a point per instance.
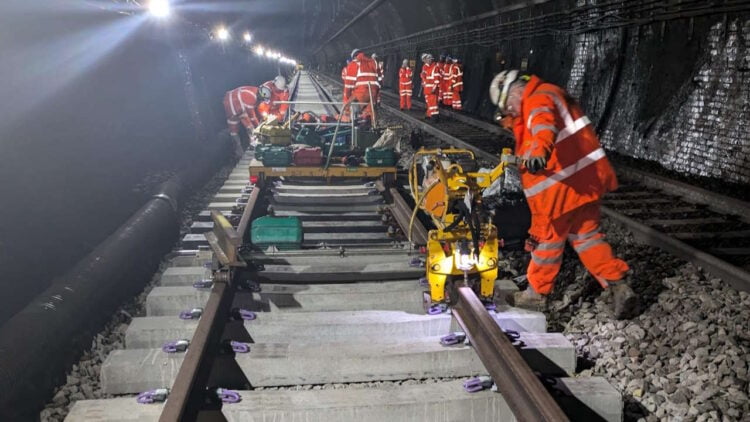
(96, 109)
(666, 82)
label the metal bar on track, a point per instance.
(735, 276)
(527, 398)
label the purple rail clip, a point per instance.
(423, 282)
(152, 396)
(228, 396)
(478, 384)
(246, 315)
(417, 262)
(489, 306)
(239, 347)
(175, 346)
(206, 283)
(453, 338)
(435, 310)
(194, 313)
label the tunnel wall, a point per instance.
(91, 122)
(668, 84)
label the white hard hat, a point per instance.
(427, 56)
(280, 82)
(500, 86)
(355, 52)
(374, 56)
(405, 63)
(264, 92)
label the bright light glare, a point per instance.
(259, 50)
(269, 54)
(222, 33)
(247, 37)
(159, 8)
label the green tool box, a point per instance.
(277, 156)
(260, 150)
(282, 232)
(308, 136)
(367, 137)
(380, 157)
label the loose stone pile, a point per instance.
(685, 357)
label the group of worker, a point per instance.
(442, 83)
(249, 105)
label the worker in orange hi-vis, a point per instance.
(405, 76)
(431, 85)
(239, 106)
(279, 92)
(366, 86)
(347, 80)
(457, 83)
(564, 176)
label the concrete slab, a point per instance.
(311, 327)
(594, 398)
(229, 196)
(279, 364)
(194, 241)
(196, 259)
(343, 216)
(392, 295)
(200, 227)
(122, 409)
(183, 276)
(322, 190)
(327, 200)
(372, 209)
(225, 207)
(341, 271)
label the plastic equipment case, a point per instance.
(380, 157)
(274, 134)
(308, 157)
(284, 233)
(277, 156)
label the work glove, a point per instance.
(536, 163)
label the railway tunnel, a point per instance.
(118, 168)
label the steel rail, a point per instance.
(188, 391)
(526, 396)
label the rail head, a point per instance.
(526, 396)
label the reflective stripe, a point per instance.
(563, 174)
(458, 83)
(546, 261)
(571, 126)
(583, 236)
(350, 78)
(538, 128)
(364, 83)
(366, 74)
(231, 105)
(536, 111)
(588, 244)
(549, 246)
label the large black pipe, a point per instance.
(40, 342)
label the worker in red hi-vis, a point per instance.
(405, 76)
(446, 81)
(457, 83)
(239, 105)
(279, 92)
(347, 80)
(430, 83)
(564, 176)
(366, 86)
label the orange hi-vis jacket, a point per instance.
(405, 76)
(239, 105)
(457, 77)
(348, 82)
(431, 78)
(578, 171)
(446, 79)
(364, 70)
(277, 95)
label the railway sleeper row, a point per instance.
(316, 327)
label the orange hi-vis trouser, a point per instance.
(362, 95)
(405, 96)
(431, 101)
(456, 103)
(581, 228)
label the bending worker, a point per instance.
(405, 76)
(279, 92)
(566, 173)
(239, 105)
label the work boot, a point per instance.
(625, 302)
(529, 299)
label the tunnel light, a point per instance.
(259, 50)
(222, 33)
(247, 37)
(159, 8)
